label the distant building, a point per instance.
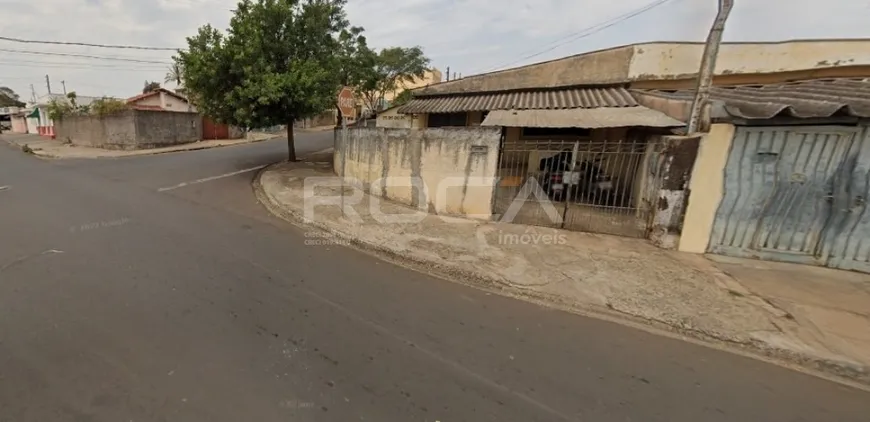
(161, 99)
(36, 114)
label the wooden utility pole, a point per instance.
(32, 94)
(64, 86)
(48, 84)
(708, 65)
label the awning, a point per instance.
(34, 114)
(589, 118)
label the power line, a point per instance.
(586, 32)
(46, 53)
(129, 47)
(87, 65)
(82, 67)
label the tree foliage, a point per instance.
(278, 62)
(62, 107)
(150, 86)
(8, 98)
(175, 75)
(402, 98)
(107, 105)
(393, 67)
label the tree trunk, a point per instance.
(291, 144)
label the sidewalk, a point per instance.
(819, 321)
(54, 148)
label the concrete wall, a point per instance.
(152, 101)
(598, 67)
(670, 64)
(19, 124)
(156, 129)
(132, 129)
(391, 118)
(680, 60)
(172, 103)
(113, 131)
(706, 188)
(427, 155)
(32, 125)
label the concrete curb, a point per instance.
(840, 372)
(137, 153)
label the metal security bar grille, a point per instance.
(582, 185)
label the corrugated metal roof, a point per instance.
(589, 118)
(525, 100)
(804, 99)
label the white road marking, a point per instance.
(5, 187)
(209, 179)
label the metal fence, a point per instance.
(582, 185)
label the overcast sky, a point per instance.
(470, 36)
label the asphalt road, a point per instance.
(120, 301)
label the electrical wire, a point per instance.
(46, 53)
(585, 33)
(87, 65)
(39, 65)
(130, 47)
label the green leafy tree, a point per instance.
(402, 98)
(150, 86)
(356, 61)
(277, 63)
(8, 98)
(392, 67)
(106, 105)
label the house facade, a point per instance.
(783, 173)
(612, 114)
(37, 116)
(161, 99)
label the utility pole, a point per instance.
(48, 84)
(708, 65)
(32, 94)
(64, 86)
(448, 73)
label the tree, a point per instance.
(8, 98)
(175, 75)
(393, 67)
(402, 98)
(277, 63)
(150, 86)
(356, 62)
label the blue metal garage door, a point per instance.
(797, 194)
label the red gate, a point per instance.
(212, 130)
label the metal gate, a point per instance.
(797, 194)
(579, 185)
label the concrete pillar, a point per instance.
(678, 155)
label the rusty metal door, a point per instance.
(784, 190)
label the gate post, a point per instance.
(678, 155)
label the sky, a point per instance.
(469, 36)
